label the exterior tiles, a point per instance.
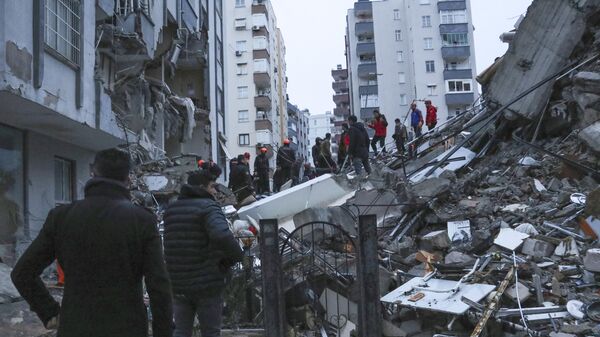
(388, 44)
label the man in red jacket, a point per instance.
(431, 117)
(379, 124)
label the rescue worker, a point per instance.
(400, 135)
(261, 170)
(416, 119)
(285, 160)
(316, 152)
(431, 115)
(200, 251)
(108, 248)
(358, 149)
(343, 147)
(326, 157)
(379, 124)
(242, 180)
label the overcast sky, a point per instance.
(314, 36)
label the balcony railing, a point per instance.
(341, 98)
(456, 53)
(367, 48)
(262, 102)
(453, 74)
(259, 7)
(363, 9)
(367, 70)
(460, 98)
(452, 5)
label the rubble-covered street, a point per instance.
(489, 228)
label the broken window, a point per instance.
(455, 39)
(62, 31)
(63, 181)
(244, 139)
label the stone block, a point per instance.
(524, 293)
(591, 260)
(537, 248)
(457, 257)
(436, 240)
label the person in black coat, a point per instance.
(285, 160)
(241, 180)
(261, 170)
(106, 246)
(200, 250)
(358, 149)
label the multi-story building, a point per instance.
(320, 125)
(341, 99)
(298, 130)
(400, 51)
(80, 76)
(255, 77)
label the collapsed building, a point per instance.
(492, 230)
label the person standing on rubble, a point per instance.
(431, 115)
(200, 251)
(242, 180)
(285, 159)
(261, 169)
(416, 119)
(400, 135)
(358, 149)
(379, 124)
(108, 248)
(343, 147)
(326, 157)
(316, 152)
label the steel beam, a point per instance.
(369, 307)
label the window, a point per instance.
(369, 101)
(424, 2)
(244, 139)
(240, 3)
(63, 28)
(398, 35)
(243, 116)
(403, 99)
(451, 65)
(240, 24)
(63, 180)
(242, 69)
(430, 66)
(400, 56)
(455, 39)
(242, 92)
(241, 46)
(426, 20)
(450, 17)
(260, 42)
(428, 43)
(401, 78)
(457, 86)
(431, 88)
(396, 14)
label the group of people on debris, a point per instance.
(111, 251)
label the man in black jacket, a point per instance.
(261, 170)
(241, 180)
(285, 159)
(358, 149)
(200, 250)
(106, 246)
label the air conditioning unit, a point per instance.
(238, 53)
(255, 28)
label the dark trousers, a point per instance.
(431, 126)
(400, 144)
(417, 131)
(263, 183)
(209, 311)
(381, 140)
(359, 163)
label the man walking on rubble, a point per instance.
(106, 246)
(285, 159)
(400, 135)
(325, 153)
(316, 152)
(261, 170)
(358, 149)
(343, 147)
(200, 251)
(379, 124)
(430, 115)
(416, 119)
(241, 180)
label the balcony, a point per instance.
(260, 31)
(454, 28)
(456, 53)
(457, 74)
(365, 49)
(341, 99)
(258, 54)
(341, 111)
(466, 98)
(367, 113)
(260, 7)
(364, 29)
(340, 86)
(263, 124)
(339, 74)
(262, 102)
(262, 79)
(367, 70)
(452, 5)
(368, 89)
(363, 9)
(189, 16)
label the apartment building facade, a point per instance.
(255, 77)
(298, 130)
(80, 76)
(341, 97)
(400, 51)
(319, 125)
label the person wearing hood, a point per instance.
(108, 248)
(358, 149)
(200, 251)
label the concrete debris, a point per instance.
(591, 260)
(8, 292)
(510, 239)
(523, 292)
(537, 248)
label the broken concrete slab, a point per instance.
(7, 289)
(591, 260)
(431, 188)
(591, 136)
(392, 330)
(435, 240)
(459, 159)
(567, 247)
(537, 248)
(524, 293)
(510, 238)
(459, 258)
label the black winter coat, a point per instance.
(106, 245)
(285, 157)
(261, 164)
(199, 247)
(241, 182)
(359, 141)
